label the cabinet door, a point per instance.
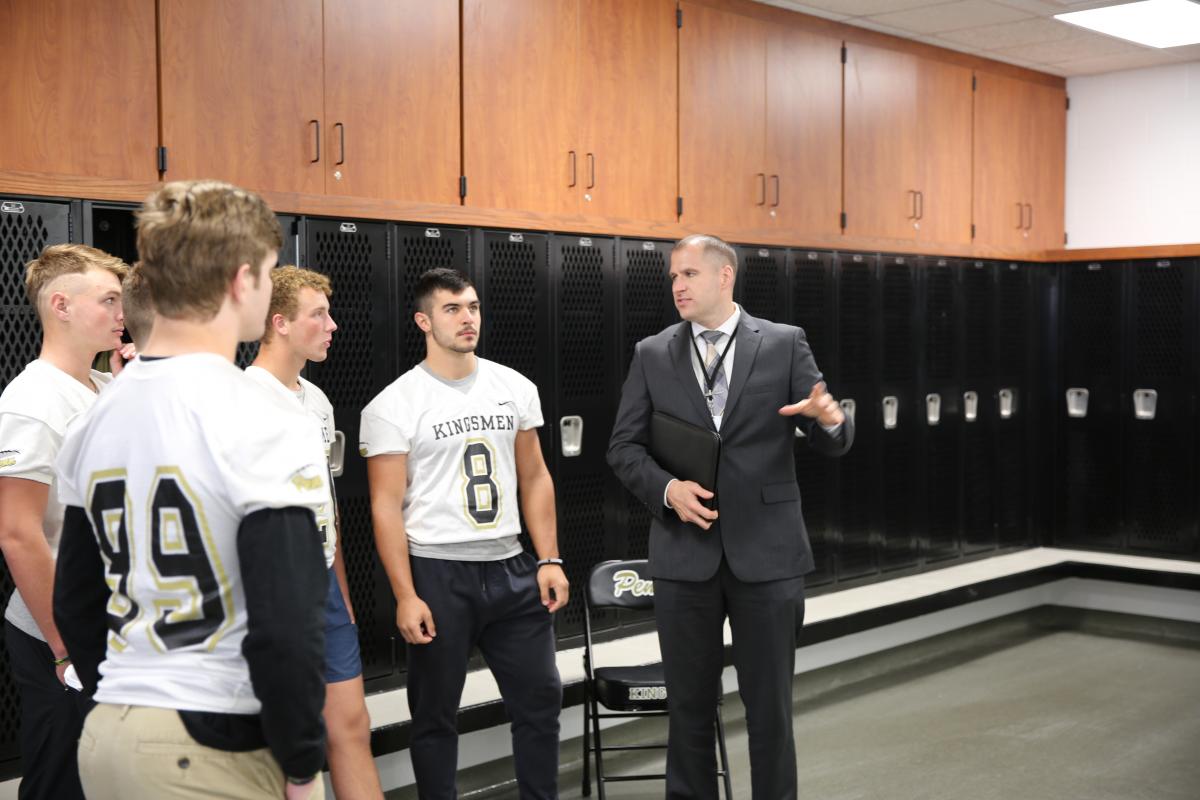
(391, 99)
(78, 94)
(628, 108)
(722, 117)
(944, 205)
(1045, 120)
(241, 92)
(881, 136)
(804, 131)
(520, 92)
(999, 154)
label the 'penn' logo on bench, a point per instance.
(628, 580)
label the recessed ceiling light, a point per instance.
(1155, 23)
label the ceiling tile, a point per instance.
(864, 8)
(1114, 63)
(1012, 34)
(1189, 52)
(866, 22)
(1080, 46)
(950, 16)
(805, 9)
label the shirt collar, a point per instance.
(727, 327)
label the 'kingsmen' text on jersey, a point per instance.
(35, 409)
(462, 473)
(166, 465)
(316, 403)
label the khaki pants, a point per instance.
(135, 752)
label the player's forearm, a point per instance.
(537, 505)
(32, 567)
(391, 542)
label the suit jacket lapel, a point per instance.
(681, 354)
(748, 340)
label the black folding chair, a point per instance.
(637, 691)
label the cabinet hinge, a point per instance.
(1064, 237)
(1068, 104)
(974, 83)
(462, 186)
(972, 230)
(679, 206)
(843, 54)
(843, 220)
(161, 156)
(679, 18)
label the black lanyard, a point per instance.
(710, 379)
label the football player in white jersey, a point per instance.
(77, 293)
(300, 329)
(453, 460)
(191, 580)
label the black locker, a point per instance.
(26, 227)
(979, 405)
(762, 283)
(420, 248)
(361, 363)
(1090, 485)
(585, 393)
(858, 357)
(812, 309)
(1013, 405)
(940, 414)
(645, 307)
(291, 229)
(1158, 444)
(900, 514)
(110, 227)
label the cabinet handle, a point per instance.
(1029, 224)
(775, 178)
(591, 170)
(341, 144)
(318, 138)
(912, 204)
(762, 188)
(1020, 216)
(571, 156)
(920, 205)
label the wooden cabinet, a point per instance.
(907, 147)
(391, 99)
(759, 124)
(78, 92)
(1020, 143)
(569, 106)
(345, 96)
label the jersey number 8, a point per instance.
(480, 493)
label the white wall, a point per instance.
(1133, 158)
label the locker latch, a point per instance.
(571, 433)
(848, 407)
(337, 454)
(1077, 403)
(970, 406)
(1008, 403)
(891, 411)
(933, 408)
(1145, 403)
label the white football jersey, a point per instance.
(35, 409)
(462, 474)
(316, 403)
(167, 463)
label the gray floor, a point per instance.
(1041, 705)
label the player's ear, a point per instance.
(60, 305)
(279, 324)
(242, 281)
(423, 321)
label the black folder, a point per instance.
(689, 452)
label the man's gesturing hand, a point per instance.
(820, 405)
(551, 577)
(684, 497)
(415, 621)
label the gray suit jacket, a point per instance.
(760, 530)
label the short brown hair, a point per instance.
(192, 237)
(286, 283)
(66, 259)
(138, 305)
(714, 250)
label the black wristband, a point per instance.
(300, 781)
(544, 561)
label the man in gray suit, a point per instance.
(723, 369)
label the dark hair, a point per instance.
(430, 281)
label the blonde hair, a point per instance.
(286, 283)
(193, 236)
(138, 305)
(714, 250)
(66, 259)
